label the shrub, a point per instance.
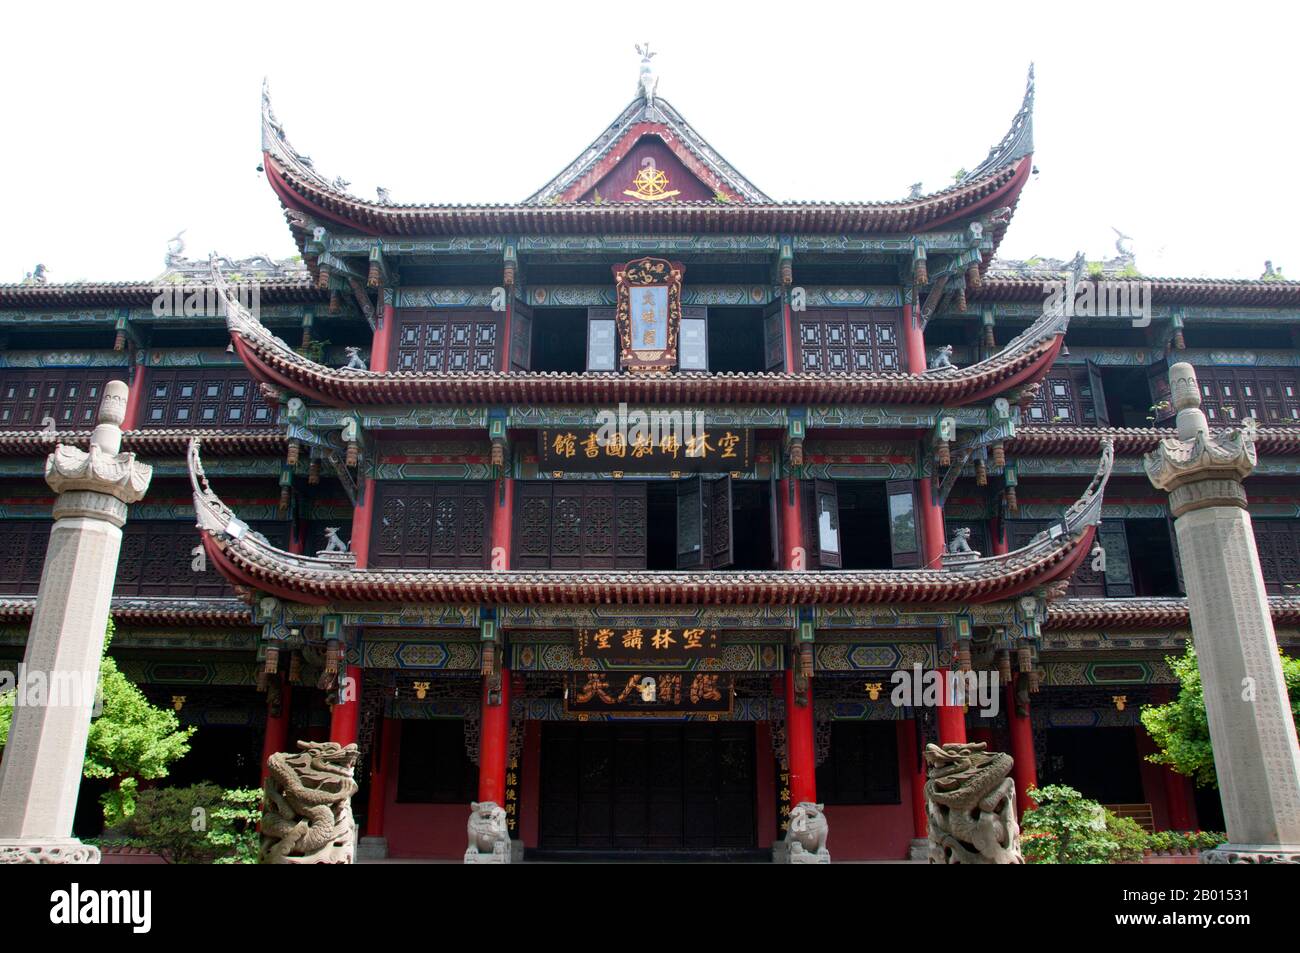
(1130, 839)
(1077, 826)
(199, 824)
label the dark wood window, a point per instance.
(22, 555)
(431, 526)
(858, 524)
(1231, 394)
(453, 341)
(704, 530)
(862, 764)
(1278, 542)
(842, 341)
(205, 397)
(158, 559)
(68, 396)
(580, 524)
(433, 766)
(1070, 397)
(1116, 582)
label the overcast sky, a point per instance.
(125, 123)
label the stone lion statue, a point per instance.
(489, 836)
(307, 805)
(807, 833)
(355, 361)
(970, 800)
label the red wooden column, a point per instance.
(379, 770)
(503, 496)
(494, 741)
(912, 745)
(998, 537)
(136, 396)
(1177, 791)
(913, 341)
(276, 737)
(1025, 772)
(345, 718)
(799, 743)
(383, 338)
(952, 718)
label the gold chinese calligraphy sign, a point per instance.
(648, 313)
(640, 646)
(651, 449)
(649, 693)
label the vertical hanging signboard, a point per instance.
(648, 312)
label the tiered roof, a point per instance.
(248, 560)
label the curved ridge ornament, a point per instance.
(1019, 140)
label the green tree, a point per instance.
(1181, 729)
(199, 824)
(130, 740)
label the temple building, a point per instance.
(650, 506)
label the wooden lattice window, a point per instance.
(861, 766)
(1278, 542)
(68, 396)
(580, 524)
(1231, 394)
(1068, 397)
(158, 559)
(848, 340)
(453, 341)
(431, 526)
(22, 555)
(205, 397)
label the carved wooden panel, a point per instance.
(205, 397)
(158, 559)
(70, 396)
(431, 526)
(1278, 542)
(579, 524)
(454, 341)
(22, 555)
(848, 340)
(1231, 394)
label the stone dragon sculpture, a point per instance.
(307, 806)
(971, 804)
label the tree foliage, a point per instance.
(130, 739)
(1067, 828)
(1181, 728)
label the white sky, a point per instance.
(1174, 122)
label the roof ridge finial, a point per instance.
(648, 80)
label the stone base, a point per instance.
(32, 850)
(782, 853)
(516, 851)
(1252, 854)
(372, 848)
(472, 856)
(919, 850)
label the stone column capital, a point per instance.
(101, 468)
(1198, 468)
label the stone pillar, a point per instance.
(41, 772)
(1251, 728)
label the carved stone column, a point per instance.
(1251, 728)
(41, 772)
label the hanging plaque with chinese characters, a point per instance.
(648, 312)
(650, 449)
(648, 693)
(637, 646)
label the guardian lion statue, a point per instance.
(970, 800)
(489, 836)
(807, 833)
(307, 805)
